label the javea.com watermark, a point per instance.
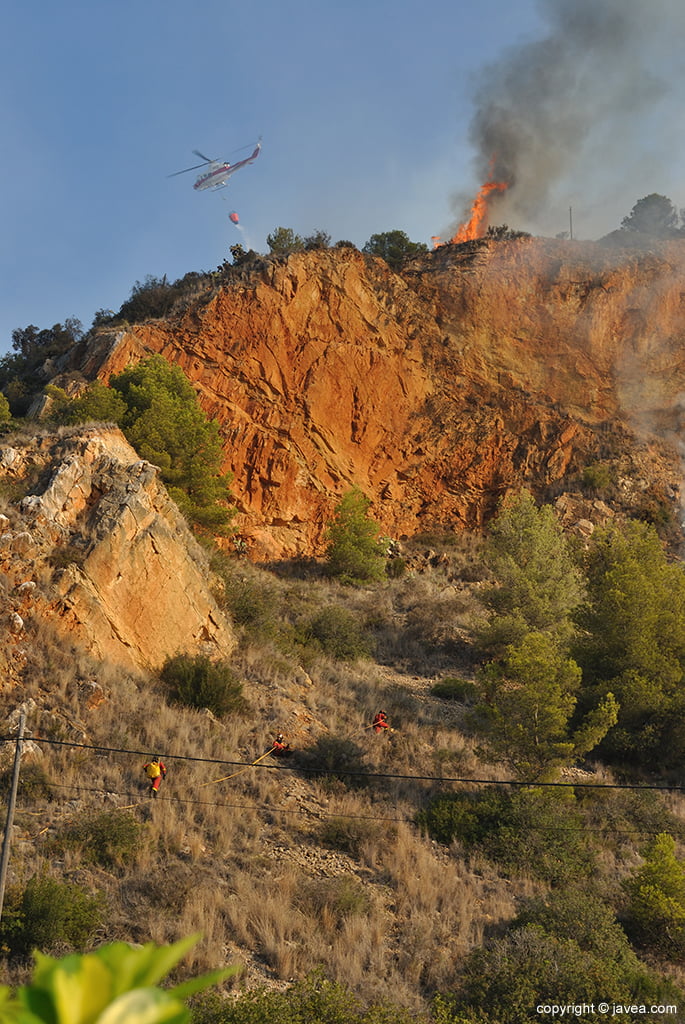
(561, 1011)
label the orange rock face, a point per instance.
(480, 369)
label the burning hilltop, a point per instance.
(478, 222)
(555, 114)
(479, 215)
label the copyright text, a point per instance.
(559, 1011)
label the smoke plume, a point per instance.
(587, 113)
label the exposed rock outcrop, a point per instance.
(98, 547)
(481, 368)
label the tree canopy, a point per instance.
(98, 403)
(529, 698)
(632, 639)
(653, 215)
(156, 406)
(165, 424)
(537, 583)
(21, 371)
(656, 912)
(354, 553)
(394, 247)
(529, 692)
(283, 241)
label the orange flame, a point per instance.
(477, 224)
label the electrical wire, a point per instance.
(338, 815)
(360, 773)
(244, 766)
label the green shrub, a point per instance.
(154, 297)
(542, 834)
(268, 612)
(467, 817)
(597, 477)
(166, 425)
(396, 567)
(338, 633)
(530, 831)
(655, 507)
(49, 914)
(347, 834)
(503, 982)
(314, 1000)
(577, 913)
(564, 948)
(197, 682)
(656, 911)
(395, 247)
(503, 233)
(115, 983)
(337, 758)
(453, 688)
(64, 555)
(252, 602)
(109, 838)
(354, 554)
(34, 783)
(98, 402)
(343, 896)
(157, 407)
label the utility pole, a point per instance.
(570, 222)
(4, 858)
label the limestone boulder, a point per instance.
(129, 584)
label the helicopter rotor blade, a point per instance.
(186, 169)
(202, 156)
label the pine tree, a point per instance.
(538, 584)
(166, 426)
(632, 641)
(657, 898)
(529, 697)
(355, 554)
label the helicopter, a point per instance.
(218, 172)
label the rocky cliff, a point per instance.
(482, 367)
(96, 547)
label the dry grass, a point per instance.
(285, 869)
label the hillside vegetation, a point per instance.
(455, 499)
(426, 858)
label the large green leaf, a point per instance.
(69, 991)
(113, 985)
(145, 1006)
(138, 967)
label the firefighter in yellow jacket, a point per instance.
(155, 772)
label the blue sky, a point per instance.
(364, 110)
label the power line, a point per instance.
(316, 770)
(271, 809)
